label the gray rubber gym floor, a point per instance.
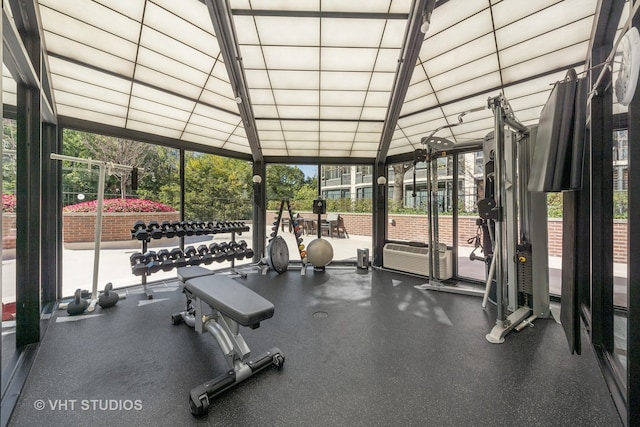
(362, 348)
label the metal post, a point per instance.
(499, 196)
(97, 238)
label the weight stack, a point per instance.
(524, 270)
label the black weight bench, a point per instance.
(191, 272)
(220, 305)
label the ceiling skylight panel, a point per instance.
(153, 129)
(268, 125)
(463, 73)
(370, 127)
(273, 145)
(220, 70)
(328, 126)
(261, 97)
(290, 57)
(216, 100)
(202, 122)
(275, 153)
(393, 33)
(161, 97)
(219, 87)
(374, 113)
(377, 6)
(197, 12)
(166, 22)
(163, 110)
(352, 32)
(419, 103)
(387, 60)
(334, 113)
(298, 112)
(368, 137)
(304, 153)
(510, 11)
(131, 8)
(172, 48)
(475, 26)
(240, 148)
(282, 79)
(91, 116)
(153, 119)
(423, 117)
(552, 38)
(301, 125)
(83, 102)
(339, 146)
(296, 97)
(246, 30)
(214, 113)
(488, 82)
(70, 85)
(342, 98)
(258, 79)
(201, 139)
(300, 136)
(381, 81)
(479, 101)
(337, 136)
(400, 6)
(377, 99)
(161, 80)
(450, 13)
(348, 59)
(535, 99)
(553, 60)
(171, 67)
(364, 153)
(86, 34)
(88, 55)
(418, 90)
(282, 30)
(265, 111)
(206, 131)
(311, 5)
(336, 80)
(461, 55)
(93, 14)
(74, 72)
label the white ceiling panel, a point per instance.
(348, 32)
(89, 115)
(276, 30)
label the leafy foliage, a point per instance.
(217, 187)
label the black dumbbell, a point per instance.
(164, 257)
(177, 226)
(154, 230)
(216, 253)
(221, 253)
(178, 257)
(167, 230)
(205, 256)
(192, 256)
(153, 264)
(139, 231)
(138, 264)
(188, 228)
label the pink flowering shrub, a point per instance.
(9, 203)
(120, 205)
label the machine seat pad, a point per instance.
(186, 273)
(231, 299)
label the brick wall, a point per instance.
(8, 231)
(80, 227)
(414, 228)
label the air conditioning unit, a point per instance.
(415, 259)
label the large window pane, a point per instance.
(155, 199)
(219, 189)
(8, 240)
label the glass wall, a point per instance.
(219, 190)
(8, 240)
(153, 197)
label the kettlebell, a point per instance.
(78, 305)
(108, 298)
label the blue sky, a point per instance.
(309, 170)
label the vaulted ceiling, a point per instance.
(310, 79)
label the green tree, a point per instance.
(283, 181)
(217, 188)
(161, 179)
(9, 161)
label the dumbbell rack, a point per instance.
(297, 230)
(153, 230)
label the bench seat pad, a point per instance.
(186, 273)
(231, 299)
